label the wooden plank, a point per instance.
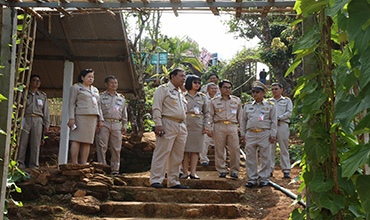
(120, 58)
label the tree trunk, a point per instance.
(136, 113)
(288, 83)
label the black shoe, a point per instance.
(115, 173)
(156, 185)
(183, 177)
(286, 176)
(179, 187)
(271, 174)
(263, 184)
(205, 164)
(222, 175)
(194, 177)
(234, 176)
(250, 185)
(212, 147)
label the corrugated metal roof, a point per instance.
(97, 41)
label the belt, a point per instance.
(111, 120)
(226, 122)
(173, 119)
(284, 122)
(193, 115)
(33, 115)
(258, 130)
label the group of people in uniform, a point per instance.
(92, 116)
(188, 122)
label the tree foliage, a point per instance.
(332, 97)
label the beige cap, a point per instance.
(259, 85)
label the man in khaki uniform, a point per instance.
(114, 111)
(212, 78)
(258, 129)
(225, 115)
(284, 108)
(36, 121)
(169, 113)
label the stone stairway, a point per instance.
(209, 197)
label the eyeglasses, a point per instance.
(226, 87)
(36, 80)
(196, 83)
(275, 89)
(256, 91)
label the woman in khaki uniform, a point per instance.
(85, 117)
(196, 121)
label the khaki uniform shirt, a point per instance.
(225, 110)
(284, 108)
(37, 104)
(259, 116)
(168, 101)
(83, 101)
(114, 107)
(198, 105)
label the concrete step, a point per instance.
(206, 182)
(143, 194)
(170, 210)
(207, 168)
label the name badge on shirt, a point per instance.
(116, 108)
(94, 100)
(233, 111)
(261, 117)
(39, 102)
(196, 110)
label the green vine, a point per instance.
(332, 97)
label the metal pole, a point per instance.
(8, 55)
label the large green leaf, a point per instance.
(313, 101)
(310, 39)
(365, 68)
(311, 6)
(355, 160)
(319, 184)
(316, 150)
(359, 14)
(362, 186)
(332, 202)
(364, 125)
(335, 7)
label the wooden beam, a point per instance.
(238, 10)
(89, 41)
(266, 9)
(213, 9)
(55, 41)
(82, 58)
(63, 11)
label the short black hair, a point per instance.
(106, 80)
(83, 73)
(277, 84)
(34, 76)
(213, 74)
(175, 72)
(189, 82)
(225, 81)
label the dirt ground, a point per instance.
(261, 203)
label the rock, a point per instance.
(57, 179)
(106, 168)
(86, 180)
(43, 178)
(87, 204)
(119, 182)
(107, 208)
(103, 179)
(58, 209)
(127, 145)
(29, 192)
(66, 198)
(80, 193)
(116, 196)
(192, 213)
(97, 186)
(43, 210)
(99, 171)
(72, 166)
(67, 187)
(73, 173)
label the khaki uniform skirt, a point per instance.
(194, 141)
(85, 131)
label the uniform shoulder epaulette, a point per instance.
(249, 102)
(214, 98)
(271, 103)
(202, 94)
(119, 94)
(234, 96)
(43, 93)
(75, 84)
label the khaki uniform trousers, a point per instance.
(109, 135)
(226, 134)
(31, 133)
(169, 152)
(255, 140)
(203, 155)
(282, 138)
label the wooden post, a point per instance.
(8, 54)
(64, 129)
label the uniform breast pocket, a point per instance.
(266, 114)
(219, 107)
(173, 99)
(105, 104)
